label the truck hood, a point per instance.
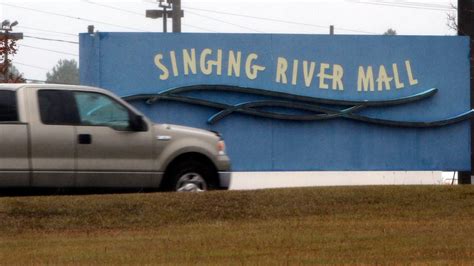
(184, 130)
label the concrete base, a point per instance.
(261, 180)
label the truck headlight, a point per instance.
(221, 147)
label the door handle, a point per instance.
(84, 139)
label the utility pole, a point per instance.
(466, 28)
(7, 47)
(176, 13)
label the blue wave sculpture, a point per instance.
(303, 103)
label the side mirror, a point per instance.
(137, 123)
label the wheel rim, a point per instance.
(191, 182)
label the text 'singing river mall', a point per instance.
(295, 71)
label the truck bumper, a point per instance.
(224, 179)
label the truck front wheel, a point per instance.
(190, 176)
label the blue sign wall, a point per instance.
(299, 102)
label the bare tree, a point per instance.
(452, 21)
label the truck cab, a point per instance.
(78, 136)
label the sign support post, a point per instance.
(466, 28)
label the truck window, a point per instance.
(8, 106)
(100, 110)
(57, 107)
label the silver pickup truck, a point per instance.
(77, 136)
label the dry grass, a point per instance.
(346, 225)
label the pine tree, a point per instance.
(65, 72)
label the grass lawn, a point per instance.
(341, 225)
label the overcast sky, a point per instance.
(61, 21)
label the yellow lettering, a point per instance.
(308, 74)
(234, 63)
(189, 61)
(398, 83)
(250, 69)
(322, 76)
(206, 69)
(337, 74)
(206, 65)
(411, 79)
(365, 80)
(218, 62)
(383, 79)
(163, 68)
(174, 66)
(282, 66)
(294, 75)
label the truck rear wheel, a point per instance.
(190, 176)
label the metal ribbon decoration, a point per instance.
(296, 102)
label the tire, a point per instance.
(190, 176)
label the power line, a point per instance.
(70, 17)
(49, 50)
(51, 31)
(357, 31)
(116, 8)
(411, 5)
(431, 6)
(28, 65)
(278, 20)
(222, 21)
(259, 18)
(46, 35)
(141, 14)
(48, 39)
(197, 27)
